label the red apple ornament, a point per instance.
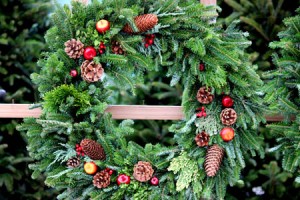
(154, 181)
(102, 26)
(227, 101)
(73, 73)
(123, 179)
(227, 134)
(89, 53)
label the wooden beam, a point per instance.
(208, 2)
(136, 112)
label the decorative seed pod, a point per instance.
(142, 171)
(93, 149)
(213, 160)
(91, 72)
(101, 179)
(204, 95)
(202, 139)
(143, 23)
(228, 116)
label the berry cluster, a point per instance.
(102, 48)
(149, 40)
(110, 171)
(79, 150)
(202, 112)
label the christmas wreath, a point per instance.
(85, 154)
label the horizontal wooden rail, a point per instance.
(118, 112)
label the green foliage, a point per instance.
(263, 20)
(23, 24)
(64, 97)
(284, 84)
(188, 171)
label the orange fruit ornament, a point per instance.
(227, 134)
(90, 168)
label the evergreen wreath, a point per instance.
(85, 154)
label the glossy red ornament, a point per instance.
(102, 26)
(154, 181)
(227, 101)
(227, 134)
(123, 179)
(73, 73)
(89, 53)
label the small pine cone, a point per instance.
(228, 116)
(117, 48)
(93, 149)
(74, 48)
(73, 162)
(204, 95)
(91, 72)
(143, 23)
(202, 139)
(213, 160)
(101, 179)
(142, 171)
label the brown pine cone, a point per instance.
(204, 95)
(73, 162)
(213, 160)
(142, 171)
(93, 149)
(202, 139)
(117, 48)
(91, 72)
(228, 116)
(74, 48)
(143, 23)
(101, 179)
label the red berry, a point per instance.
(110, 172)
(89, 53)
(101, 51)
(77, 145)
(146, 45)
(227, 134)
(204, 114)
(203, 108)
(150, 42)
(82, 154)
(199, 114)
(152, 36)
(78, 153)
(227, 101)
(73, 73)
(154, 181)
(201, 67)
(123, 179)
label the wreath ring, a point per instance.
(85, 154)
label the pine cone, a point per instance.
(143, 23)
(142, 171)
(73, 162)
(202, 139)
(117, 48)
(101, 179)
(93, 149)
(91, 72)
(204, 95)
(74, 48)
(228, 116)
(213, 160)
